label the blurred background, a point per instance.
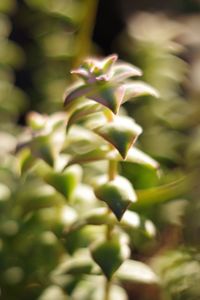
(40, 42)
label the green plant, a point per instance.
(72, 159)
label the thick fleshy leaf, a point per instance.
(139, 230)
(163, 193)
(80, 141)
(122, 132)
(48, 143)
(122, 71)
(76, 265)
(139, 157)
(42, 147)
(65, 182)
(110, 97)
(25, 160)
(105, 153)
(118, 194)
(138, 88)
(93, 289)
(83, 111)
(103, 251)
(80, 91)
(4, 193)
(53, 292)
(33, 196)
(108, 62)
(97, 216)
(90, 156)
(131, 220)
(81, 72)
(136, 271)
(36, 121)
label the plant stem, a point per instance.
(112, 173)
(85, 32)
(107, 289)
(112, 169)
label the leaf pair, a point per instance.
(104, 82)
(118, 194)
(110, 254)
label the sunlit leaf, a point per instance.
(80, 264)
(136, 271)
(25, 160)
(138, 88)
(105, 153)
(112, 248)
(65, 182)
(83, 111)
(42, 147)
(53, 292)
(4, 192)
(122, 132)
(33, 197)
(118, 194)
(122, 71)
(108, 96)
(108, 62)
(163, 193)
(81, 91)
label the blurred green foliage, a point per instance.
(39, 257)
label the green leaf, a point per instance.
(66, 182)
(80, 264)
(93, 289)
(53, 292)
(82, 111)
(108, 62)
(138, 88)
(109, 255)
(81, 140)
(36, 121)
(122, 132)
(118, 194)
(108, 96)
(34, 196)
(25, 160)
(139, 157)
(161, 194)
(122, 71)
(99, 216)
(4, 192)
(136, 271)
(104, 94)
(105, 153)
(81, 238)
(78, 92)
(131, 220)
(42, 147)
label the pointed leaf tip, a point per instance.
(122, 132)
(137, 89)
(118, 194)
(115, 249)
(122, 71)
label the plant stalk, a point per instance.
(107, 289)
(112, 173)
(84, 37)
(112, 169)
